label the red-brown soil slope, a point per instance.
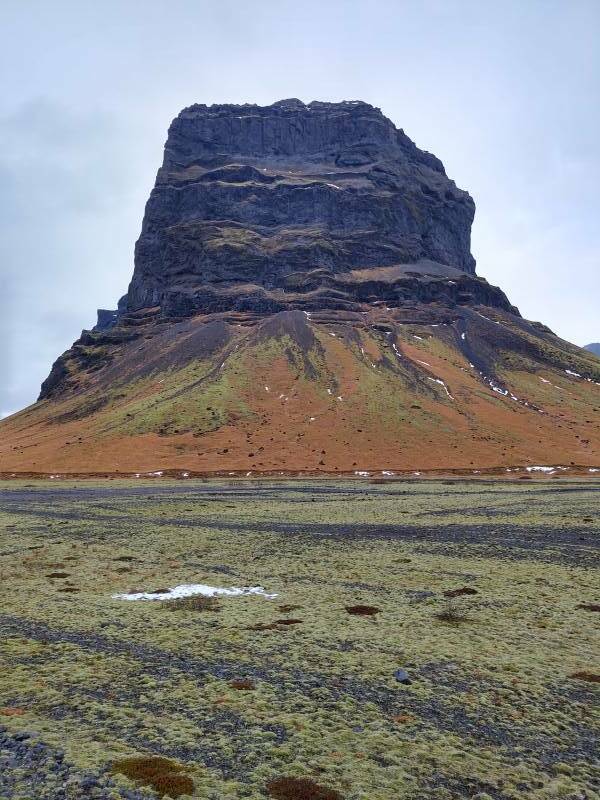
(331, 392)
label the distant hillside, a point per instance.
(594, 348)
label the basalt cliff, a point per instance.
(304, 298)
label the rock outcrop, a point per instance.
(300, 206)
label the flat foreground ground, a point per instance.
(502, 701)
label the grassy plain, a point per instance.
(240, 700)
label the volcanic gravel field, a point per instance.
(413, 639)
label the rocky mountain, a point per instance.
(304, 298)
(594, 348)
(265, 209)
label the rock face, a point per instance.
(293, 205)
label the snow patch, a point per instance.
(503, 392)
(191, 589)
(437, 380)
(488, 319)
(362, 473)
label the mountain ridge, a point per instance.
(304, 298)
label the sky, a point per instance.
(505, 93)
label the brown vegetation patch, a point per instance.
(162, 774)
(243, 684)
(403, 719)
(363, 611)
(197, 602)
(459, 592)
(300, 789)
(12, 711)
(591, 677)
(288, 608)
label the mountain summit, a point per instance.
(268, 208)
(304, 298)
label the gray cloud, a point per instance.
(505, 94)
(66, 244)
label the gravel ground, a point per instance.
(32, 770)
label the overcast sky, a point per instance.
(505, 93)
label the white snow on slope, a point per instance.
(437, 380)
(544, 469)
(190, 589)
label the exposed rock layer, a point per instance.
(266, 208)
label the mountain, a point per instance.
(304, 298)
(594, 348)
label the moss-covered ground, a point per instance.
(239, 700)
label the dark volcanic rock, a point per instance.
(106, 319)
(262, 208)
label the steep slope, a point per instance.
(304, 298)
